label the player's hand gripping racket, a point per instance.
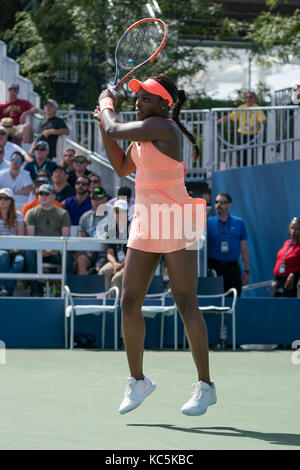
(140, 44)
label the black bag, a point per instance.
(84, 340)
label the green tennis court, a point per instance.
(60, 399)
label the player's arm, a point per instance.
(120, 160)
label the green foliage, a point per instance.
(276, 35)
(81, 35)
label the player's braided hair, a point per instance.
(179, 99)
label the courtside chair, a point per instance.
(90, 286)
(156, 292)
(213, 288)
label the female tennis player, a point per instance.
(155, 156)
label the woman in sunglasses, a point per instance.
(287, 268)
(68, 159)
(18, 180)
(11, 223)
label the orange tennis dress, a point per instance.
(166, 218)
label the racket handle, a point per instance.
(113, 90)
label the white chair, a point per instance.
(72, 310)
(213, 288)
(155, 292)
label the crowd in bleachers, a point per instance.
(62, 194)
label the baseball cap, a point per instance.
(61, 167)
(98, 192)
(8, 192)
(51, 101)
(3, 129)
(46, 188)
(41, 143)
(41, 180)
(14, 85)
(121, 204)
(80, 157)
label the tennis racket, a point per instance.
(141, 43)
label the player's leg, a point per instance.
(183, 275)
(138, 272)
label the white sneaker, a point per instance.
(135, 393)
(203, 396)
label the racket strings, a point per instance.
(139, 44)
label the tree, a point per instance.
(274, 37)
(80, 36)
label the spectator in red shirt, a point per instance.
(18, 109)
(287, 267)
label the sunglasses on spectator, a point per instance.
(4, 198)
(82, 183)
(3, 133)
(42, 193)
(95, 181)
(80, 161)
(222, 202)
(16, 159)
(41, 149)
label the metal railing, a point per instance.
(255, 136)
(38, 244)
(63, 245)
(227, 137)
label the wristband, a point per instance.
(106, 103)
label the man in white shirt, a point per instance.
(19, 181)
(10, 147)
(3, 163)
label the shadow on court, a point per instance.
(224, 431)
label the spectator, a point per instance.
(10, 147)
(87, 260)
(51, 127)
(41, 160)
(125, 192)
(81, 202)
(295, 98)
(68, 159)
(248, 122)
(11, 224)
(95, 181)
(287, 268)
(18, 109)
(226, 241)
(43, 173)
(116, 253)
(11, 129)
(39, 180)
(46, 220)
(18, 180)
(59, 180)
(80, 163)
(3, 163)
